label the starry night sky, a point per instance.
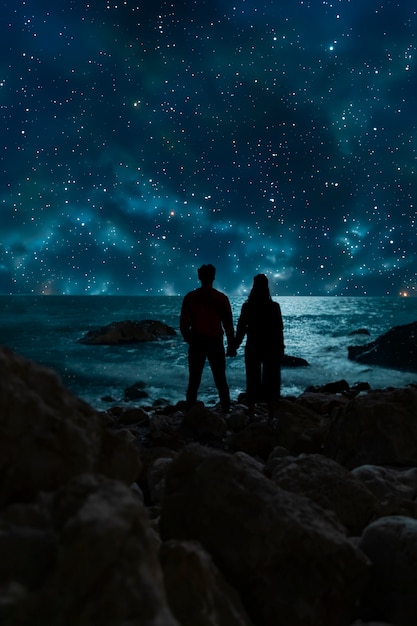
(142, 138)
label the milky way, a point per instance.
(141, 139)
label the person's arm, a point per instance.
(185, 321)
(241, 327)
(227, 322)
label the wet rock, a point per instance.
(128, 332)
(288, 558)
(135, 392)
(378, 428)
(396, 349)
(339, 386)
(293, 361)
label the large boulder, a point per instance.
(289, 559)
(328, 484)
(197, 592)
(395, 488)
(379, 428)
(391, 545)
(397, 349)
(99, 563)
(127, 332)
(48, 435)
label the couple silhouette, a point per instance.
(206, 316)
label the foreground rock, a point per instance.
(328, 484)
(378, 428)
(127, 332)
(197, 590)
(84, 556)
(288, 558)
(48, 435)
(122, 518)
(391, 544)
(396, 349)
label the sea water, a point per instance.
(46, 329)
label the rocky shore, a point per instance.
(163, 516)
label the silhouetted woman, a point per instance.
(261, 321)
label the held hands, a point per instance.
(231, 351)
(232, 348)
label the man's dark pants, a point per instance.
(212, 349)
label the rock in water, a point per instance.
(119, 333)
(397, 348)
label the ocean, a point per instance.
(46, 329)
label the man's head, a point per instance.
(207, 274)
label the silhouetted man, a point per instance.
(206, 315)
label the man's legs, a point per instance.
(196, 360)
(217, 360)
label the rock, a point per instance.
(339, 386)
(293, 361)
(28, 547)
(127, 332)
(106, 569)
(204, 423)
(395, 489)
(156, 478)
(397, 349)
(163, 432)
(328, 484)
(47, 435)
(119, 456)
(322, 402)
(135, 392)
(359, 331)
(237, 419)
(378, 428)
(197, 591)
(256, 439)
(299, 428)
(132, 416)
(288, 558)
(391, 545)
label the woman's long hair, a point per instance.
(259, 294)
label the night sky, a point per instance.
(143, 138)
